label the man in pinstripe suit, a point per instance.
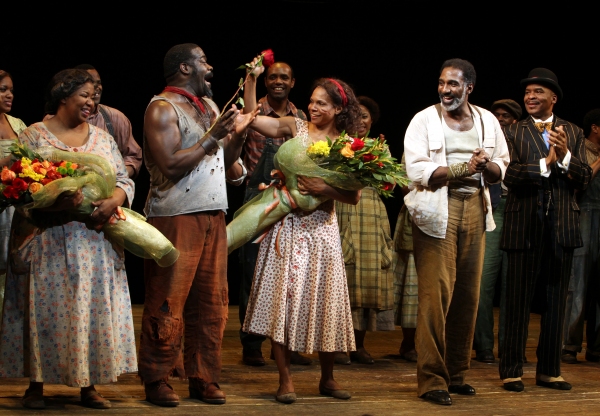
(541, 227)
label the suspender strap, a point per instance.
(109, 125)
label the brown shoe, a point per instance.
(253, 358)
(362, 356)
(33, 399)
(342, 358)
(161, 394)
(298, 359)
(95, 400)
(209, 393)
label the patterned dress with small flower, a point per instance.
(299, 298)
(67, 318)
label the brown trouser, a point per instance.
(192, 293)
(449, 271)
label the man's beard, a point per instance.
(458, 101)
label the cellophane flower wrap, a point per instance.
(344, 163)
(96, 177)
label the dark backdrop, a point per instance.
(390, 51)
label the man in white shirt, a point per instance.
(453, 150)
(541, 227)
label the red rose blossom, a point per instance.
(368, 157)
(11, 192)
(387, 186)
(268, 57)
(380, 164)
(19, 184)
(357, 144)
(16, 167)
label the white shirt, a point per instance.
(425, 151)
(544, 171)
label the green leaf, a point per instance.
(240, 100)
(241, 82)
(242, 66)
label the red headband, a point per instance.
(341, 90)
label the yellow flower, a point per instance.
(28, 172)
(25, 161)
(347, 151)
(319, 149)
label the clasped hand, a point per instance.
(557, 139)
(478, 162)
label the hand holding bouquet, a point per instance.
(345, 163)
(38, 180)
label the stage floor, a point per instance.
(386, 388)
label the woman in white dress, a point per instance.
(299, 298)
(67, 312)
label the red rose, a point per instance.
(53, 174)
(45, 181)
(387, 186)
(20, 184)
(16, 167)
(380, 164)
(11, 192)
(357, 144)
(368, 157)
(268, 57)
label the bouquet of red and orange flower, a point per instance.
(36, 179)
(345, 163)
(367, 161)
(26, 177)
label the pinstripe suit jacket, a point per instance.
(525, 202)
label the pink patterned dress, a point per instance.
(300, 299)
(78, 326)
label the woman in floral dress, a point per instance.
(299, 296)
(66, 279)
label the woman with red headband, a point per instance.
(299, 296)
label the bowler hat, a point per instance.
(512, 106)
(545, 77)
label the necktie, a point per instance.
(544, 128)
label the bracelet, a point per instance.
(458, 170)
(209, 144)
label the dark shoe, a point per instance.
(465, 389)
(514, 386)
(94, 400)
(298, 359)
(592, 357)
(485, 356)
(557, 385)
(342, 358)
(362, 356)
(207, 392)
(253, 358)
(161, 394)
(33, 399)
(438, 397)
(410, 356)
(287, 398)
(336, 394)
(569, 357)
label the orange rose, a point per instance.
(47, 165)
(7, 175)
(34, 187)
(347, 151)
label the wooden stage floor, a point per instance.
(386, 388)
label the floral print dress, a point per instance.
(67, 320)
(300, 298)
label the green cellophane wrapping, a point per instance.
(291, 159)
(134, 234)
